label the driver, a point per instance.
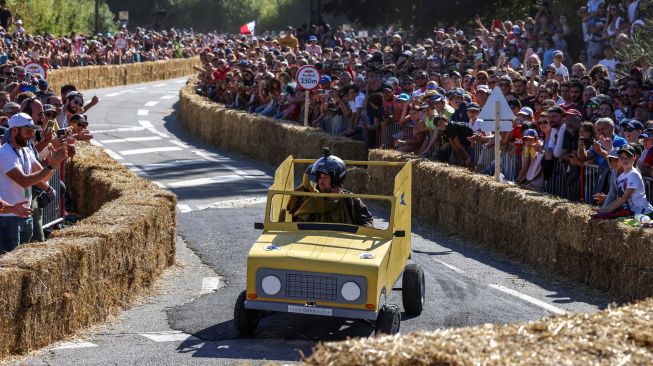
(330, 172)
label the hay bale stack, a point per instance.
(94, 77)
(260, 138)
(546, 232)
(91, 270)
(610, 337)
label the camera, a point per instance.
(61, 133)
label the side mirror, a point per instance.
(258, 225)
(400, 233)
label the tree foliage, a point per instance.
(61, 16)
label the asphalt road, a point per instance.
(188, 317)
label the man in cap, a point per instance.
(456, 100)
(19, 171)
(312, 47)
(482, 94)
(560, 68)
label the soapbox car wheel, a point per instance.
(413, 290)
(388, 320)
(245, 320)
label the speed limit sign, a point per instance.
(308, 77)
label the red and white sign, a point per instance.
(36, 68)
(308, 77)
(121, 43)
(248, 28)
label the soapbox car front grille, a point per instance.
(308, 286)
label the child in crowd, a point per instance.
(631, 196)
(531, 175)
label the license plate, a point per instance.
(309, 310)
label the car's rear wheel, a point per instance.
(245, 320)
(388, 321)
(413, 292)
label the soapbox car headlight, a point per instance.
(350, 291)
(271, 285)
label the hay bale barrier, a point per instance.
(547, 233)
(260, 138)
(94, 77)
(87, 272)
(610, 337)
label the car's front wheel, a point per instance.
(245, 320)
(388, 320)
(413, 289)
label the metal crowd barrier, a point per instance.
(54, 213)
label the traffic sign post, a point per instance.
(496, 109)
(121, 44)
(308, 78)
(36, 68)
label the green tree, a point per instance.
(61, 16)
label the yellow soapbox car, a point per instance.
(331, 269)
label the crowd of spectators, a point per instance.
(425, 95)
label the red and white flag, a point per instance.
(248, 28)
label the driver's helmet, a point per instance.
(331, 165)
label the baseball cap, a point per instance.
(403, 97)
(325, 79)
(530, 133)
(527, 111)
(557, 53)
(473, 107)
(312, 38)
(456, 93)
(77, 118)
(573, 112)
(556, 110)
(49, 108)
(22, 120)
(436, 98)
(613, 153)
(648, 133)
(483, 88)
(626, 149)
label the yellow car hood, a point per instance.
(331, 247)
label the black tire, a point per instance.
(245, 320)
(388, 321)
(413, 292)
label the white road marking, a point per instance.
(530, 299)
(142, 112)
(136, 169)
(117, 93)
(151, 103)
(158, 85)
(210, 158)
(141, 88)
(179, 143)
(175, 164)
(150, 150)
(179, 81)
(171, 336)
(242, 202)
(209, 284)
(122, 129)
(95, 143)
(455, 269)
(113, 154)
(169, 96)
(205, 181)
(131, 139)
(150, 127)
(183, 208)
(74, 344)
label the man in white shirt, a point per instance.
(610, 62)
(19, 171)
(561, 69)
(312, 47)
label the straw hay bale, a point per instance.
(260, 138)
(88, 271)
(93, 77)
(610, 337)
(546, 232)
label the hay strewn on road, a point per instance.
(611, 337)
